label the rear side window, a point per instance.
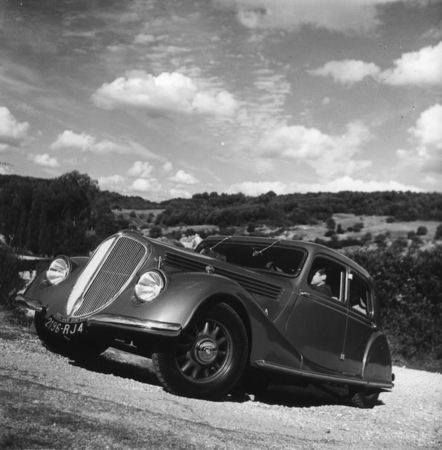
(359, 295)
(334, 278)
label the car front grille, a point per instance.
(249, 283)
(113, 275)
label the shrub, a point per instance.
(410, 286)
(10, 281)
(422, 231)
(438, 234)
(156, 232)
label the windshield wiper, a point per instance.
(260, 252)
(220, 242)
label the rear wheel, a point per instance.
(209, 357)
(79, 348)
(363, 398)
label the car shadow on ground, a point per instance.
(121, 364)
(299, 397)
(125, 365)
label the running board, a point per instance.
(321, 377)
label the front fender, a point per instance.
(183, 296)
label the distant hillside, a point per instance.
(292, 209)
(70, 214)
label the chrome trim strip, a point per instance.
(322, 377)
(141, 324)
(34, 305)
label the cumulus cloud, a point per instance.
(348, 71)
(182, 177)
(112, 183)
(423, 67)
(143, 185)
(168, 167)
(69, 140)
(329, 155)
(45, 160)
(12, 132)
(344, 183)
(179, 193)
(141, 169)
(420, 68)
(167, 91)
(427, 134)
(345, 16)
(6, 169)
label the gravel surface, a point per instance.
(47, 401)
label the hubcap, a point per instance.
(204, 351)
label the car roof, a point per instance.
(310, 247)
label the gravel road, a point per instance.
(115, 402)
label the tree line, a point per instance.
(226, 210)
(71, 215)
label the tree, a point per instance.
(422, 231)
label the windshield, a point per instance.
(260, 257)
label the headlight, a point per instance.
(58, 270)
(149, 286)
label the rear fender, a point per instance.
(377, 360)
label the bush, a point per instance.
(410, 287)
(438, 234)
(422, 231)
(155, 232)
(10, 281)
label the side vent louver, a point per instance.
(249, 283)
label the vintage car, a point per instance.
(236, 311)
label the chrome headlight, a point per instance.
(149, 286)
(59, 269)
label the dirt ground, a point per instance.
(116, 402)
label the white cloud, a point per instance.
(420, 68)
(12, 132)
(345, 183)
(348, 71)
(167, 91)
(179, 193)
(423, 67)
(182, 177)
(69, 140)
(141, 169)
(5, 169)
(329, 155)
(355, 16)
(168, 167)
(45, 160)
(112, 183)
(143, 185)
(427, 133)
(144, 38)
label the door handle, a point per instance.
(305, 294)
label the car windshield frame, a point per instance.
(274, 258)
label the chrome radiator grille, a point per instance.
(112, 276)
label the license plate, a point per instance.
(64, 328)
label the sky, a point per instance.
(168, 98)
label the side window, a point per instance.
(360, 295)
(327, 277)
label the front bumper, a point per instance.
(109, 322)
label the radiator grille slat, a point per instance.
(250, 284)
(115, 272)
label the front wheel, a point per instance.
(208, 358)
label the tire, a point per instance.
(208, 358)
(363, 398)
(80, 348)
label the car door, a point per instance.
(317, 323)
(360, 325)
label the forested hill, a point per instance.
(70, 214)
(292, 209)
